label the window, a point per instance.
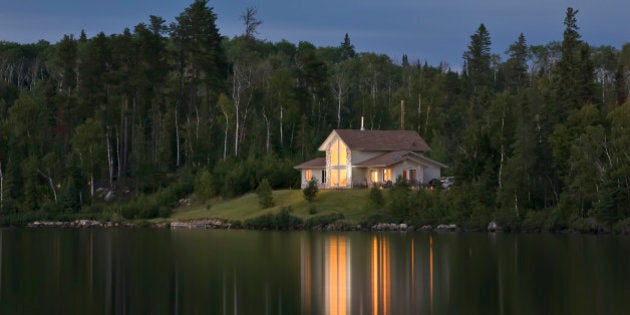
(338, 163)
(339, 178)
(387, 175)
(343, 154)
(334, 178)
(343, 180)
(308, 175)
(338, 154)
(323, 176)
(374, 176)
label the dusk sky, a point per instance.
(425, 30)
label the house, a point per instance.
(363, 158)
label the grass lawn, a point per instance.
(353, 204)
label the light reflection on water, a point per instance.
(247, 272)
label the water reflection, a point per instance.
(245, 272)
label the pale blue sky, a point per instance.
(431, 30)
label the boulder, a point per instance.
(494, 227)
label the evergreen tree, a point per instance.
(265, 194)
(347, 49)
(478, 57)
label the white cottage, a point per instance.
(362, 158)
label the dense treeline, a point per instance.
(171, 109)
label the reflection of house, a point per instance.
(361, 158)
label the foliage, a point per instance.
(282, 220)
(323, 219)
(311, 190)
(376, 197)
(160, 111)
(265, 197)
(399, 198)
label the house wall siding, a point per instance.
(315, 173)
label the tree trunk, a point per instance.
(177, 163)
(110, 162)
(501, 162)
(225, 137)
(50, 183)
(419, 112)
(268, 135)
(91, 184)
(339, 106)
(281, 127)
(118, 157)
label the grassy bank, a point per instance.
(352, 204)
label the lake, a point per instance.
(161, 271)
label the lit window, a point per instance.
(387, 175)
(338, 153)
(374, 176)
(334, 178)
(343, 155)
(308, 175)
(343, 181)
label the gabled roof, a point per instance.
(314, 163)
(392, 158)
(379, 140)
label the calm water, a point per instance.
(153, 271)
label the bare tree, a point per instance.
(251, 22)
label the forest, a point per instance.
(128, 124)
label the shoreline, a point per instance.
(218, 224)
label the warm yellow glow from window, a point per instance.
(380, 276)
(343, 180)
(308, 175)
(374, 176)
(343, 155)
(337, 286)
(334, 178)
(338, 153)
(387, 174)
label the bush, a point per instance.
(283, 220)
(376, 196)
(323, 219)
(265, 194)
(311, 190)
(312, 209)
(399, 203)
(203, 184)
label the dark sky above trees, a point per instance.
(428, 30)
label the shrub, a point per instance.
(283, 220)
(323, 219)
(265, 194)
(311, 190)
(203, 184)
(376, 197)
(312, 209)
(399, 204)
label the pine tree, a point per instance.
(478, 58)
(347, 49)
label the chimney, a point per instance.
(402, 115)
(362, 128)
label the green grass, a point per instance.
(353, 204)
